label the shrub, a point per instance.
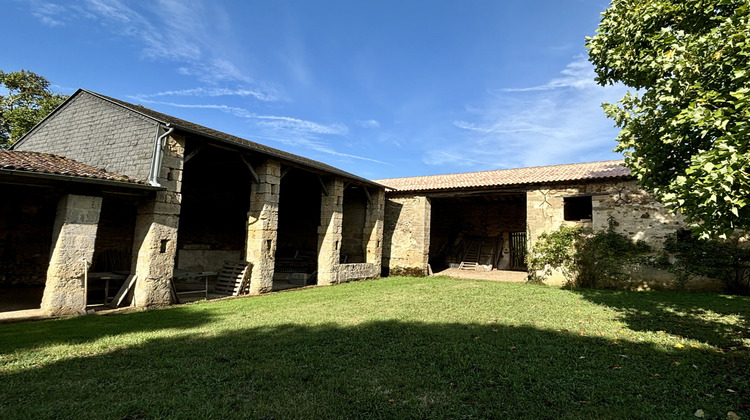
(585, 260)
(689, 256)
(553, 250)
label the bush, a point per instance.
(585, 260)
(688, 256)
(553, 250)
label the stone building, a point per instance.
(201, 197)
(487, 220)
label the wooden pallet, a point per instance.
(233, 279)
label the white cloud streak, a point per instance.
(557, 122)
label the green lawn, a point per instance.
(390, 348)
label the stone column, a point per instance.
(262, 226)
(330, 232)
(155, 243)
(373, 234)
(72, 250)
(407, 235)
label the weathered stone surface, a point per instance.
(155, 240)
(406, 235)
(72, 251)
(373, 234)
(361, 271)
(330, 232)
(262, 226)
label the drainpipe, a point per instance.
(153, 173)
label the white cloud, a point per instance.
(214, 92)
(368, 123)
(171, 30)
(557, 122)
(294, 124)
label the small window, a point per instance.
(577, 208)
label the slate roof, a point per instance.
(188, 126)
(511, 177)
(46, 163)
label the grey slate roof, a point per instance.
(190, 127)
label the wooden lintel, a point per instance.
(367, 193)
(252, 171)
(194, 152)
(323, 185)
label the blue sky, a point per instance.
(378, 88)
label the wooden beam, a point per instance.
(194, 152)
(252, 171)
(120, 296)
(367, 193)
(323, 185)
(284, 172)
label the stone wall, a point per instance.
(635, 214)
(406, 235)
(348, 272)
(72, 250)
(262, 225)
(155, 244)
(330, 232)
(99, 133)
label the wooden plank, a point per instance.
(120, 296)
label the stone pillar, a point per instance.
(406, 235)
(330, 232)
(373, 234)
(155, 243)
(262, 226)
(72, 250)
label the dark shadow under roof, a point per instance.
(190, 127)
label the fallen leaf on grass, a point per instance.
(699, 413)
(615, 367)
(732, 416)
(678, 346)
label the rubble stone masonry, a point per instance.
(262, 226)
(72, 250)
(406, 235)
(155, 243)
(330, 232)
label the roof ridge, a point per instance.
(500, 170)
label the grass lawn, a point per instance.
(390, 348)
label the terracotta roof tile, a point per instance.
(46, 163)
(509, 177)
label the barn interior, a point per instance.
(478, 231)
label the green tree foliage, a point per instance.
(685, 130)
(25, 99)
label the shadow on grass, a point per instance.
(721, 321)
(15, 337)
(386, 369)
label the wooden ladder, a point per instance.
(233, 279)
(470, 260)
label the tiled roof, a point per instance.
(510, 177)
(218, 135)
(46, 163)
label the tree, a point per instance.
(685, 130)
(27, 102)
